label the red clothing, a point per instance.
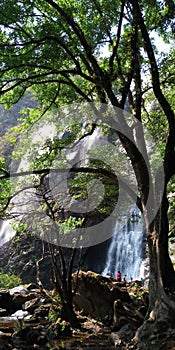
(118, 276)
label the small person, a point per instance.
(124, 278)
(118, 276)
(142, 281)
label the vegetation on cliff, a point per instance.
(101, 53)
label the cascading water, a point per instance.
(6, 232)
(126, 251)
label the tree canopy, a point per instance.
(102, 53)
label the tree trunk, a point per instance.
(160, 318)
(162, 275)
(68, 314)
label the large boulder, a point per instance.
(95, 294)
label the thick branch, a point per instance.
(155, 72)
(100, 171)
(115, 48)
(169, 157)
(78, 32)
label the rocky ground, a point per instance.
(109, 313)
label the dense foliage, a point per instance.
(102, 53)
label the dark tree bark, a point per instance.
(162, 276)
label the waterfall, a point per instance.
(6, 231)
(126, 251)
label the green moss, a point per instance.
(9, 280)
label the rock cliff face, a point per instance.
(20, 255)
(10, 118)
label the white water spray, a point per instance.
(6, 231)
(126, 249)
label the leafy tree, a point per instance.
(55, 49)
